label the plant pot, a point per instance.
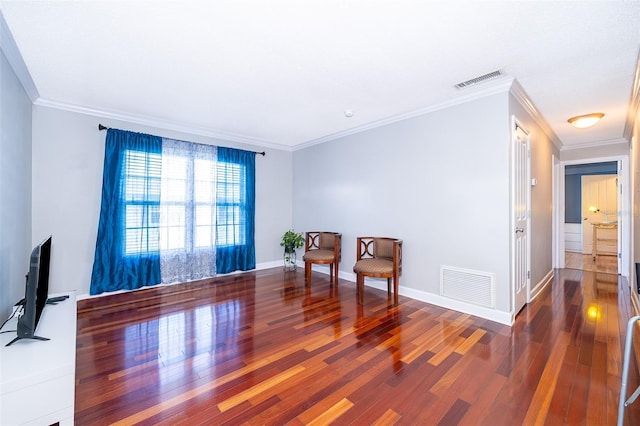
(289, 259)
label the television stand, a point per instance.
(55, 300)
(20, 338)
(37, 379)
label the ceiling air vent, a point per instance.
(479, 79)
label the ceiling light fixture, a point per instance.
(584, 121)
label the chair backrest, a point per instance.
(380, 248)
(383, 248)
(320, 240)
(327, 240)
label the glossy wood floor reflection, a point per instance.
(603, 263)
(262, 348)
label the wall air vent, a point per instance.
(479, 79)
(469, 286)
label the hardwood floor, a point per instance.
(262, 348)
(607, 264)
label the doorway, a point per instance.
(592, 206)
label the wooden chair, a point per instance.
(378, 257)
(322, 248)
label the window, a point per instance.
(172, 211)
(171, 200)
(141, 201)
(230, 220)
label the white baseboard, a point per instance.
(501, 317)
(541, 285)
(505, 318)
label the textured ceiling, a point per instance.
(282, 73)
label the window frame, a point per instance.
(152, 220)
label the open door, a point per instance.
(599, 205)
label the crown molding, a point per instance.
(634, 102)
(521, 96)
(595, 144)
(10, 50)
(497, 86)
(161, 124)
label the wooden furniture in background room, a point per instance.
(605, 239)
(322, 248)
(378, 257)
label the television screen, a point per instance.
(42, 292)
(36, 292)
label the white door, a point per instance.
(520, 192)
(599, 204)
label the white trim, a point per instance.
(558, 210)
(501, 317)
(521, 96)
(380, 284)
(499, 86)
(583, 145)
(10, 50)
(540, 286)
(160, 124)
(515, 124)
(625, 221)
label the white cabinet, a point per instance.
(37, 378)
(573, 237)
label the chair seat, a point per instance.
(322, 248)
(318, 255)
(373, 266)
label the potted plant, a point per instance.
(291, 241)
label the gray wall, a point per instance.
(541, 168)
(68, 155)
(635, 199)
(603, 151)
(439, 181)
(15, 187)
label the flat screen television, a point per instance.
(36, 292)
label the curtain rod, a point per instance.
(101, 127)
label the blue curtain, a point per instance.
(113, 269)
(238, 251)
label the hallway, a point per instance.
(584, 262)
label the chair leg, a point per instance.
(395, 289)
(360, 288)
(331, 272)
(307, 272)
(335, 271)
(389, 286)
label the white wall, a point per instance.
(15, 187)
(439, 181)
(68, 155)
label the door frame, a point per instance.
(624, 203)
(515, 124)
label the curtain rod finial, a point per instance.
(101, 127)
